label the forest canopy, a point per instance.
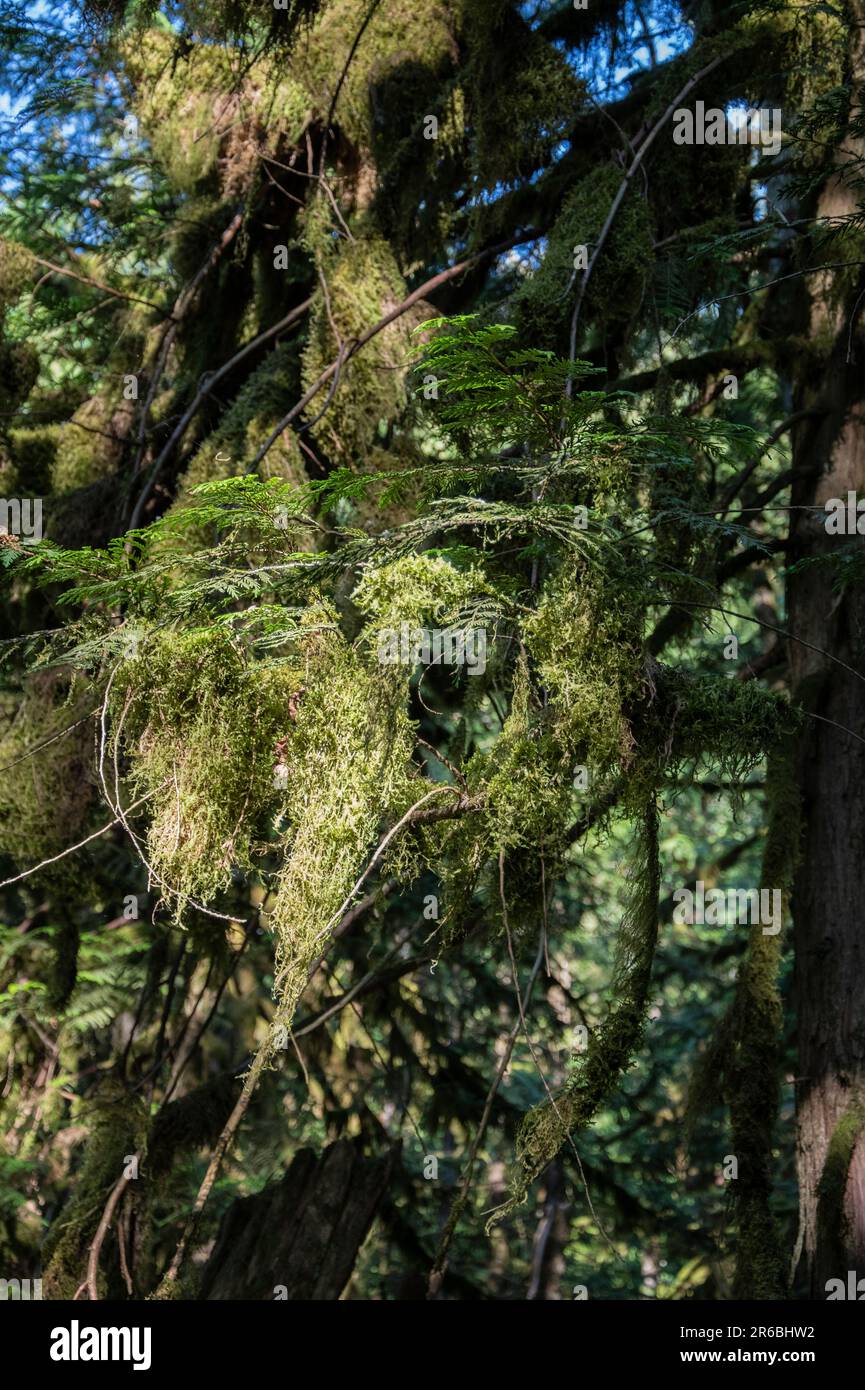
(431, 666)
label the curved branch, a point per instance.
(203, 391)
(96, 1244)
(428, 287)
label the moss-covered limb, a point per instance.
(832, 1220)
(118, 1129)
(621, 196)
(739, 359)
(612, 1047)
(208, 120)
(90, 445)
(744, 1057)
(192, 1121)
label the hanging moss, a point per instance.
(399, 32)
(520, 92)
(200, 723)
(809, 52)
(348, 774)
(524, 787)
(585, 639)
(213, 19)
(527, 788)
(415, 589)
(544, 303)
(46, 796)
(363, 284)
(512, 794)
(411, 174)
(208, 116)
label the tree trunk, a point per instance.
(551, 1237)
(299, 1238)
(829, 461)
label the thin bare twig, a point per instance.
(634, 166)
(96, 284)
(81, 843)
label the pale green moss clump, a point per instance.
(45, 797)
(89, 446)
(586, 640)
(200, 722)
(416, 588)
(348, 775)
